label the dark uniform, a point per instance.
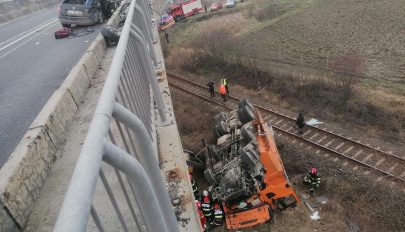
(218, 216)
(206, 207)
(167, 37)
(211, 88)
(313, 179)
(300, 123)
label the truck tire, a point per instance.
(223, 128)
(215, 132)
(249, 155)
(246, 102)
(220, 117)
(247, 134)
(66, 25)
(209, 175)
(245, 114)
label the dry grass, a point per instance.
(371, 205)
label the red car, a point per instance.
(216, 6)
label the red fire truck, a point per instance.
(185, 9)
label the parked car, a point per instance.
(230, 3)
(85, 12)
(216, 6)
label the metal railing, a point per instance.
(123, 134)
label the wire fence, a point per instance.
(120, 149)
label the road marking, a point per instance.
(22, 33)
(32, 32)
(12, 50)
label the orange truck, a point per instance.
(245, 170)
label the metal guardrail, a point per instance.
(124, 117)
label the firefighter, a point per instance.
(205, 8)
(300, 123)
(194, 186)
(206, 206)
(312, 179)
(224, 81)
(218, 215)
(200, 213)
(211, 88)
(222, 91)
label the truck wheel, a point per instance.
(177, 18)
(66, 25)
(219, 117)
(246, 134)
(209, 175)
(245, 114)
(223, 128)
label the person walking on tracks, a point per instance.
(300, 123)
(222, 91)
(312, 179)
(224, 82)
(211, 88)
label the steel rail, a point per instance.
(285, 132)
(360, 144)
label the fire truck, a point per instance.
(185, 9)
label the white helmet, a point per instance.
(205, 193)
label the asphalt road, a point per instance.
(33, 64)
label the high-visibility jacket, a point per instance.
(222, 89)
(218, 217)
(313, 179)
(206, 207)
(224, 81)
(194, 186)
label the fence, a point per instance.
(122, 134)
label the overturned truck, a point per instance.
(244, 168)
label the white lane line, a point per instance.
(22, 33)
(12, 50)
(32, 32)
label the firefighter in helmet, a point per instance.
(218, 215)
(312, 179)
(206, 206)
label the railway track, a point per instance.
(322, 140)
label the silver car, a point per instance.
(82, 12)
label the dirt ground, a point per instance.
(318, 27)
(354, 203)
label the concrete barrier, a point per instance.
(24, 173)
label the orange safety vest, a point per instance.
(222, 89)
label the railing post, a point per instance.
(150, 45)
(148, 159)
(151, 76)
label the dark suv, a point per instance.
(85, 12)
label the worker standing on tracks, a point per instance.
(218, 215)
(203, 220)
(222, 91)
(194, 186)
(206, 206)
(224, 82)
(300, 123)
(211, 85)
(312, 179)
